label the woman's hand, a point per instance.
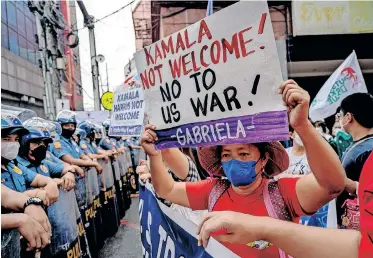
(148, 139)
(68, 181)
(231, 227)
(297, 101)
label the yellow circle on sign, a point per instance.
(107, 100)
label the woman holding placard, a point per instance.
(249, 169)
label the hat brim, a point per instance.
(17, 130)
(277, 163)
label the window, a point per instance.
(4, 36)
(22, 47)
(13, 42)
(31, 57)
(21, 23)
(3, 11)
(29, 30)
(12, 16)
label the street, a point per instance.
(126, 243)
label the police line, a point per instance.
(166, 233)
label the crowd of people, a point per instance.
(65, 185)
(257, 195)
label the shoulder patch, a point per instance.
(84, 146)
(57, 144)
(17, 170)
(44, 168)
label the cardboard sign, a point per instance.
(166, 233)
(128, 111)
(346, 80)
(216, 81)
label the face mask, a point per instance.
(298, 140)
(91, 137)
(9, 150)
(240, 173)
(67, 133)
(39, 153)
(98, 141)
(341, 124)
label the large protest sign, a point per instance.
(166, 233)
(346, 80)
(216, 81)
(128, 111)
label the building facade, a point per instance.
(22, 83)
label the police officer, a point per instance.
(18, 178)
(66, 148)
(33, 152)
(25, 216)
(14, 175)
(88, 144)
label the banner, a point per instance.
(216, 81)
(346, 80)
(97, 117)
(332, 17)
(128, 111)
(166, 233)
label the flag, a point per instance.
(346, 80)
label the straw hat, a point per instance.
(277, 163)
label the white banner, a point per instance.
(346, 80)
(128, 111)
(95, 116)
(217, 74)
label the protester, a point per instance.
(354, 120)
(297, 240)
(322, 129)
(297, 156)
(247, 167)
(25, 215)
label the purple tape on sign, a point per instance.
(262, 127)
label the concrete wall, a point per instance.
(21, 78)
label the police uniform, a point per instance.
(46, 168)
(87, 147)
(64, 146)
(17, 177)
(107, 144)
(50, 157)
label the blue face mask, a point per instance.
(240, 173)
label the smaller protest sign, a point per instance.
(128, 111)
(166, 233)
(346, 80)
(216, 81)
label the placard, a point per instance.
(216, 81)
(128, 111)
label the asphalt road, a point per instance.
(126, 243)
